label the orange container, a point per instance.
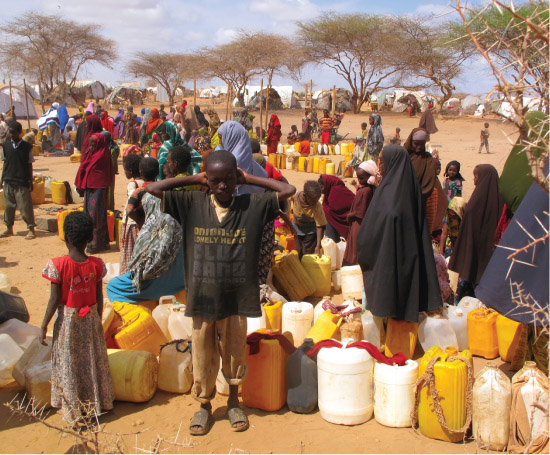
(139, 331)
(349, 170)
(508, 336)
(272, 158)
(118, 231)
(482, 333)
(265, 385)
(60, 220)
(288, 242)
(111, 225)
(401, 337)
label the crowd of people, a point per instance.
(202, 201)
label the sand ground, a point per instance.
(279, 432)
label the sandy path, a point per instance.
(281, 432)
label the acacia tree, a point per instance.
(52, 51)
(167, 69)
(431, 57)
(359, 47)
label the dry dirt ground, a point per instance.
(279, 432)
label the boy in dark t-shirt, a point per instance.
(222, 235)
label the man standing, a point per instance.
(17, 180)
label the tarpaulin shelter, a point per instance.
(18, 97)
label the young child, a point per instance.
(69, 146)
(396, 139)
(305, 145)
(358, 154)
(179, 159)
(452, 185)
(166, 172)
(222, 237)
(484, 137)
(292, 137)
(130, 164)
(17, 180)
(148, 169)
(80, 367)
(326, 124)
(309, 219)
(364, 129)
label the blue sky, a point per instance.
(182, 26)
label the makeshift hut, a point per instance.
(125, 95)
(324, 100)
(275, 101)
(18, 97)
(470, 104)
(86, 90)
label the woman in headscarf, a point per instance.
(90, 108)
(375, 137)
(81, 113)
(145, 116)
(115, 151)
(427, 122)
(107, 122)
(273, 134)
(132, 133)
(93, 125)
(173, 140)
(234, 139)
(118, 124)
(476, 238)
(93, 179)
(451, 226)
(81, 132)
(153, 124)
(203, 144)
(201, 119)
(394, 247)
(50, 122)
(337, 201)
(369, 178)
(434, 199)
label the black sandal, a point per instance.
(202, 419)
(236, 416)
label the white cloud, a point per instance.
(285, 10)
(225, 35)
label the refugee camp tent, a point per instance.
(125, 95)
(18, 97)
(85, 90)
(403, 96)
(162, 94)
(343, 100)
(210, 92)
(470, 104)
(284, 93)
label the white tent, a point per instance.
(162, 94)
(284, 91)
(93, 88)
(210, 92)
(18, 96)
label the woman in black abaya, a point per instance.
(394, 248)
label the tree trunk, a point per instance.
(240, 97)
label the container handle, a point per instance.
(177, 343)
(428, 380)
(167, 297)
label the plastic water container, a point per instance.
(38, 384)
(330, 169)
(325, 327)
(48, 186)
(345, 385)
(265, 385)
(273, 315)
(373, 328)
(401, 337)
(162, 312)
(302, 162)
(341, 246)
(309, 167)
(290, 163)
(77, 198)
(301, 380)
(330, 249)
(139, 331)
(134, 374)
(352, 281)
(59, 192)
(35, 354)
(337, 149)
(457, 317)
(534, 394)
(492, 396)
(254, 324)
(451, 378)
(10, 353)
(38, 193)
(22, 333)
(5, 283)
(470, 303)
(297, 319)
(179, 325)
(175, 367)
(508, 336)
(482, 333)
(436, 331)
(318, 311)
(394, 393)
(319, 269)
(280, 148)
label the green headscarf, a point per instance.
(516, 179)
